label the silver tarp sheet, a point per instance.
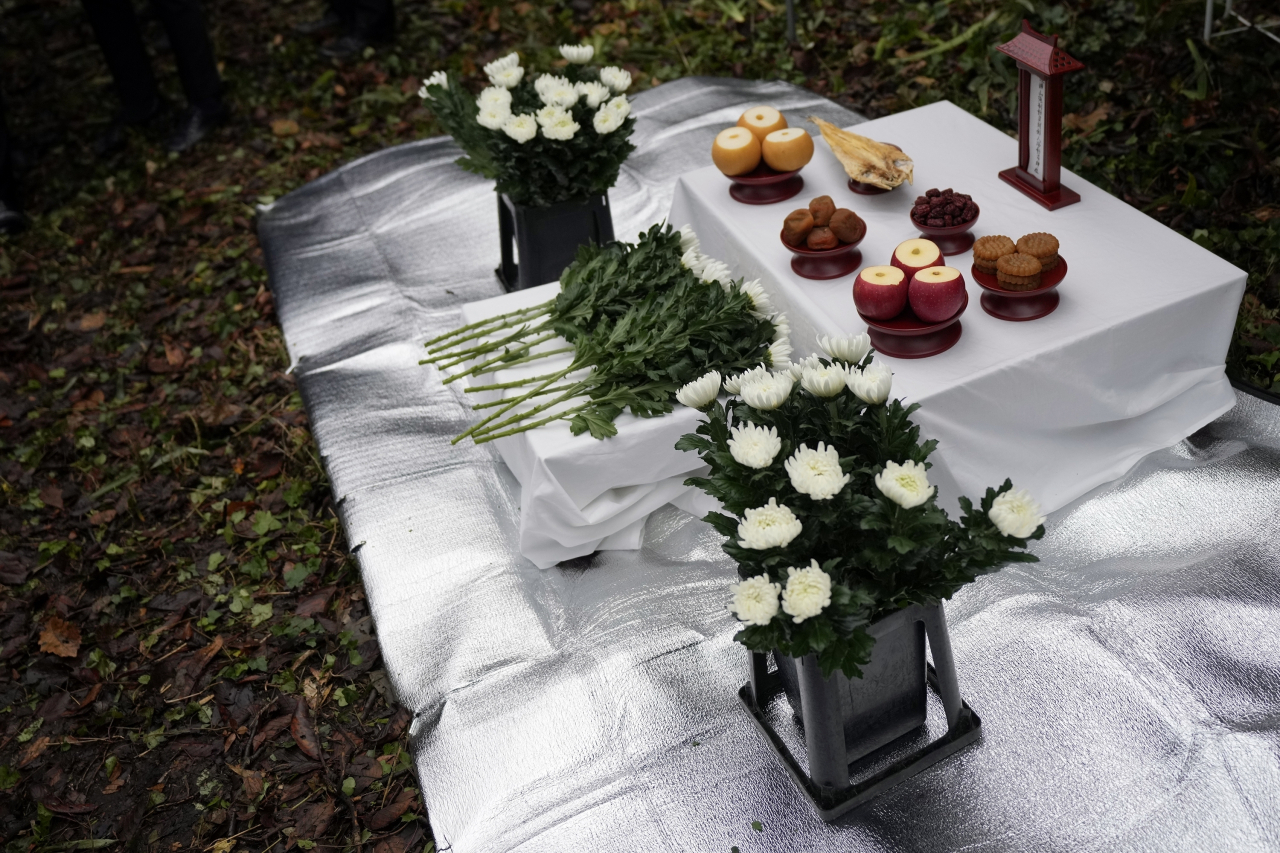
(1129, 683)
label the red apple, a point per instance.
(912, 256)
(936, 293)
(880, 292)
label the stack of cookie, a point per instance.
(1017, 266)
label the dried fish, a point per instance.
(866, 160)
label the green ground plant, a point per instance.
(186, 656)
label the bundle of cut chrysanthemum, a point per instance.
(865, 160)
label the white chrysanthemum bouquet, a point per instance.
(828, 507)
(545, 138)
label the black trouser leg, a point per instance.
(192, 51)
(373, 19)
(116, 27)
(8, 186)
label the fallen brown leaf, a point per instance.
(271, 729)
(1086, 124)
(51, 494)
(32, 751)
(312, 820)
(60, 637)
(1266, 213)
(93, 322)
(391, 812)
(102, 516)
(174, 354)
(284, 127)
(304, 731)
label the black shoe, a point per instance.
(346, 47)
(194, 124)
(11, 221)
(324, 25)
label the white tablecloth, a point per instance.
(1131, 361)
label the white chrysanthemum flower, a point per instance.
(615, 78)
(780, 355)
(578, 54)
(735, 384)
(770, 526)
(550, 115)
(717, 271)
(605, 121)
(558, 92)
(521, 128)
(808, 592)
(439, 78)
(755, 600)
(561, 131)
(620, 106)
(797, 368)
(493, 117)
(907, 484)
(507, 78)
(760, 305)
(1015, 513)
(701, 392)
(871, 385)
(511, 60)
(494, 97)
(816, 473)
(767, 392)
(694, 260)
(781, 327)
(754, 446)
(824, 381)
(689, 239)
(847, 348)
(593, 93)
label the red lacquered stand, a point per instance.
(907, 336)
(825, 264)
(765, 186)
(952, 240)
(1021, 305)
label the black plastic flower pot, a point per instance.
(849, 726)
(545, 240)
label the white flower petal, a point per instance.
(808, 592)
(824, 381)
(755, 600)
(578, 54)
(770, 526)
(1015, 513)
(768, 392)
(816, 473)
(850, 349)
(521, 128)
(735, 384)
(754, 446)
(615, 78)
(871, 385)
(907, 484)
(701, 392)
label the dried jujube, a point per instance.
(847, 226)
(796, 227)
(822, 238)
(822, 207)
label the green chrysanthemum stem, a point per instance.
(520, 346)
(457, 356)
(575, 390)
(558, 416)
(500, 321)
(489, 405)
(511, 404)
(499, 386)
(506, 361)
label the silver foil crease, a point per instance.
(1129, 683)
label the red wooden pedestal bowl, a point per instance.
(825, 264)
(1021, 305)
(763, 185)
(952, 239)
(907, 336)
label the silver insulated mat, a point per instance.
(1129, 683)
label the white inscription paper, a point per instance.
(1036, 128)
